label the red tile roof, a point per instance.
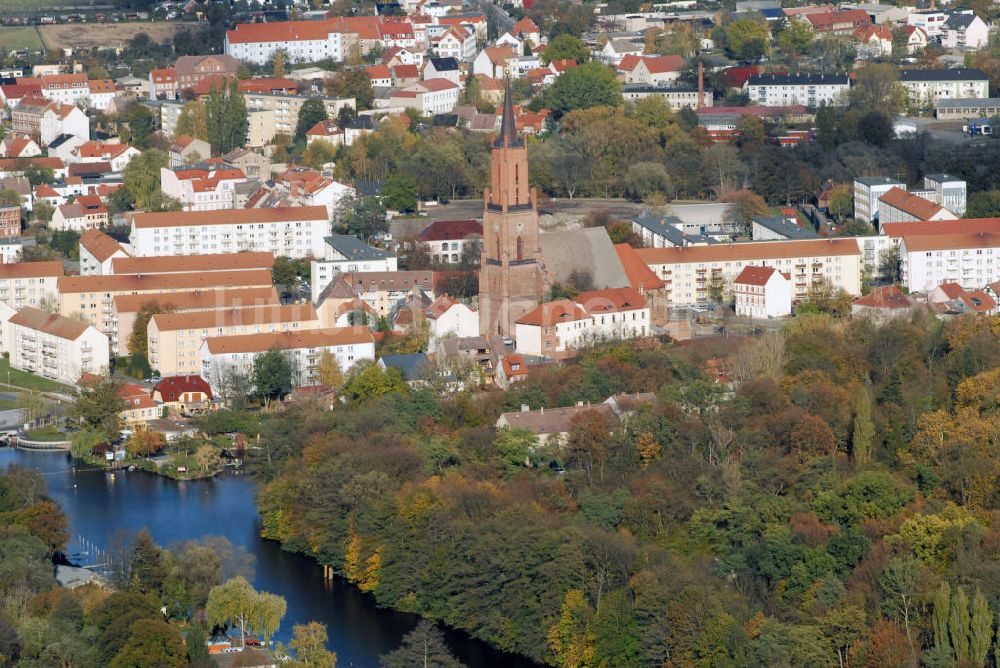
(951, 290)
(907, 202)
(978, 301)
(553, 313)
(172, 388)
(750, 250)
(445, 230)
(638, 272)
(661, 64)
(611, 299)
(885, 296)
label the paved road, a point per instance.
(458, 209)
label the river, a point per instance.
(99, 504)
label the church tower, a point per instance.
(510, 276)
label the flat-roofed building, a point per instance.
(54, 346)
(296, 232)
(174, 339)
(967, 108)
(92, 297)
(223, 355)
(971, 259)
(125, 308)
(691, 274)
(949, 191)
(29, 283)
(924, 88)
(867, 191)
(347, 254)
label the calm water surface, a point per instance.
(98, 505)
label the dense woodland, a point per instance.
(838, 507)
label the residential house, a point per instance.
(456, 42)
(26, 117)
(837, 23)
(429, 97)
(63, 119)
(185, 150)
(188, 394)
(19, 146)
(563, 325)
(10, 221)
(511, 369)
(554, 424)
(448, 317)
(875, 41)
(383, 291)
(969, 259)
(116, 155)
(301, 187)
(223, 355)
(97, 250)
(655, 70)
(884, 302)
(86, 212)
(762, 292)
(202, 186)
(255, 165)
(286, 107)
(347, 254)
(379, 75)
(192, 70)
(65, 146)
(494, 61)
(916, 38)
(327, 131)
(442, 68)
(163, 83)
(931, 21)
(449, 241)
(53, 346)
(616, 49)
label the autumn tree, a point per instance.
(744, 206)
(311, 112)
(566, 47)
(193, 121)
(423, 646)
(137, 342)
(236, 603)
(328, 371)
(863, 433)
(748, 39)
(309, 643)
(97, 407)
(877, 88)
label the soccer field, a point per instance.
(17, 39)
(92, 35)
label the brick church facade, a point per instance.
(510, 276)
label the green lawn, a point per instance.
(16, 39)
(46, 434)
(28, 381)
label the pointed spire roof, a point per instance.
(508, 128)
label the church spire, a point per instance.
(508, 127)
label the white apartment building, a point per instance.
(201, 187)
(296, 232)
(925, 87)
(949, 192)
(812, 90)
(429, 97)
(223, 355)
(53, 346)
(303, 41)
(347, 254)
(450, 317)
(691, 273)
(900, 206)
(285, 108)
(867, 192)
(29, 283)
(930, 21)
(762, 292)
(972, 260)
(965, 30)
(564, 324)
(174, 339)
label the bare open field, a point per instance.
(92, 35)
(18, 39)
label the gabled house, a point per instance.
(185, 149)
(442, 68)
(457, 42)
(380, 75)
(875, 41)
(964, 30)
(188, 394)
(116, 155)
(916, 38)
(325, 131)
(63, 119)
(15, 146)
(616, 49)
(448, 241)
(87, 212)
(494, 61)
(882, 303)
(655, 70)
(762, 292)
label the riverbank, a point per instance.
(98, 505)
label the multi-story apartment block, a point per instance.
(309, 41)
(192, 70)
(900, 206)
(925, 87)
(224, 355)
(867, 191)
(293, 232)
(949, 191)
(10, 221)
(970, 259)
(29, 283)
(286, 107)
(54, 346)
(92, 297)
(77, 88)
(812, 90)
(125, 308)
(347, 254)
(174, 339)
(26, 117)
(382, 290)
(190, 264)
(691, 274)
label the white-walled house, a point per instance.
(450, 317)
(97, 251)
(562, 325)
(63, 119)
(347, 254)
(223, 355)
(201, 187)
(54, 346)
(812, 90)
(964, 30)
(762, 292)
